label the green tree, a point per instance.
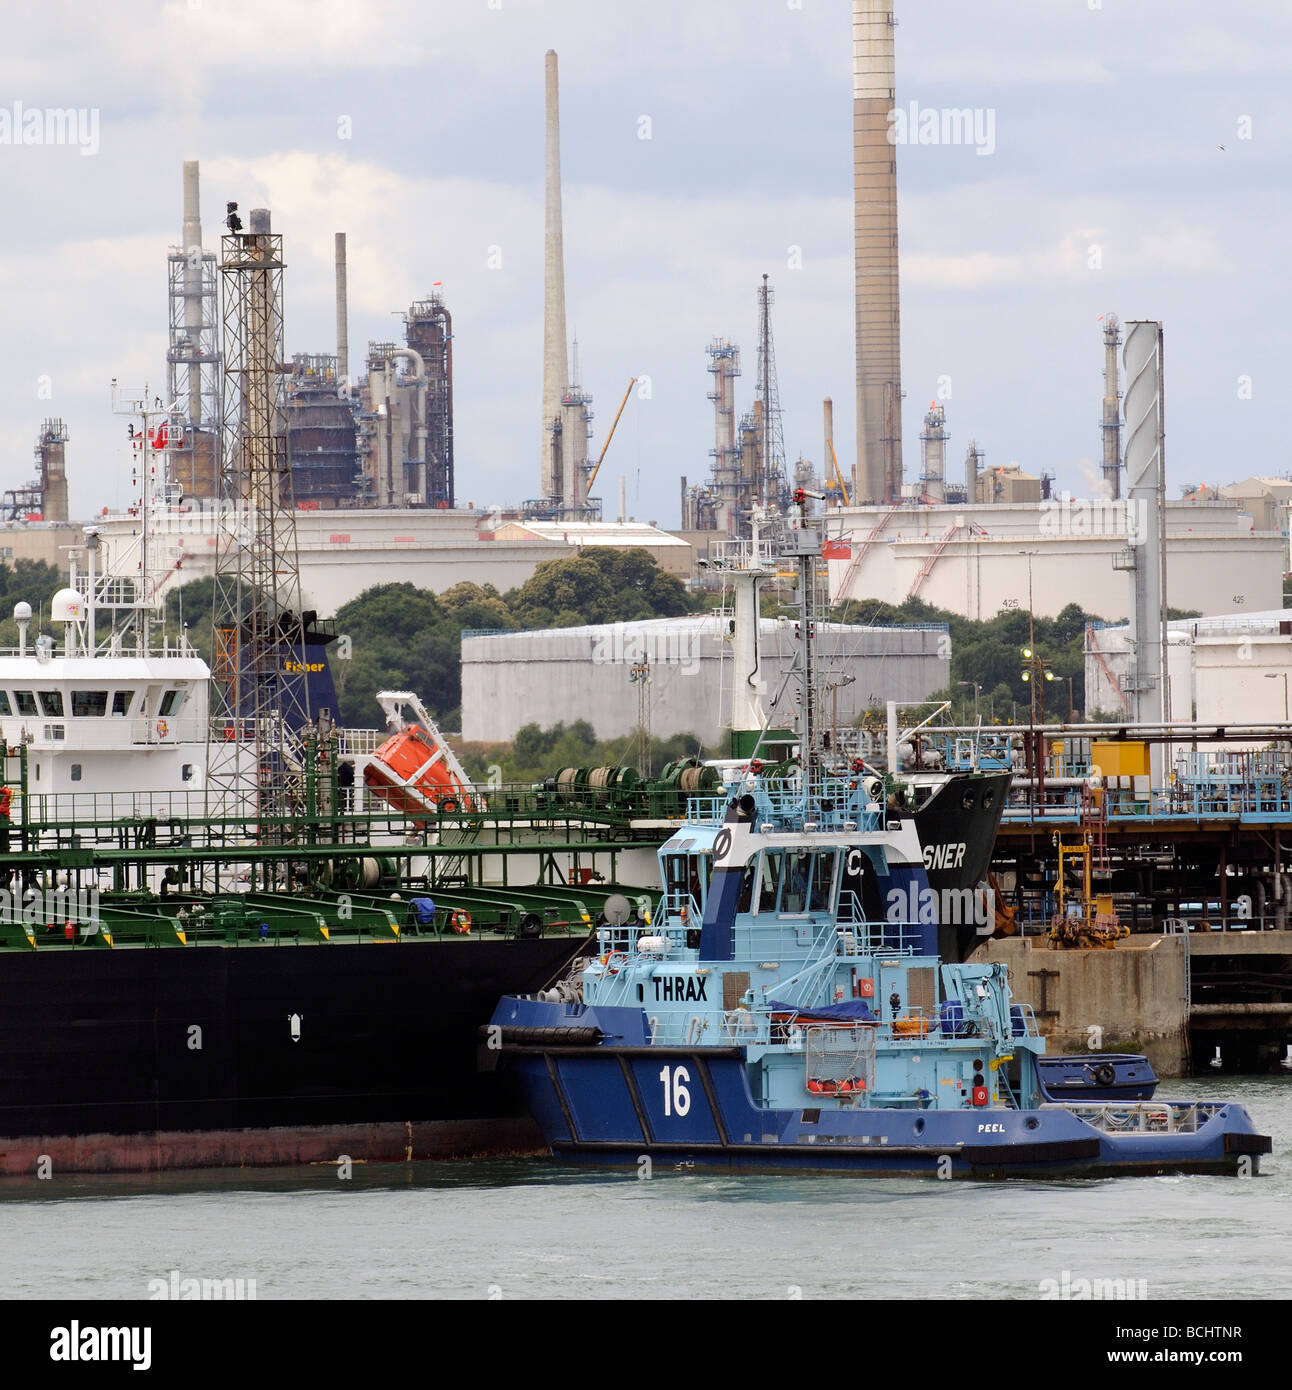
(602, 585)
(473, 606)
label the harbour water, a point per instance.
(526, 1229)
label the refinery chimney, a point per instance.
(973, 462)
(51, 459)
(556, 365)
(933, 445)
(1111, 427)
(192, 248)
(879, 369)
(193, 357)
(342, 315)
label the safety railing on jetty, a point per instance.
(1251, 787)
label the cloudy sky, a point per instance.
(418, 130)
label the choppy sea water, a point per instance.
(532, 1229)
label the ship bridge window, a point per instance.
(687, 876)
(5, 707)
(170, 702)
(771, 871)
(51, 703)
(26, 701)
(808, 880)
(746, 900)
(89, 702)
(121, 701)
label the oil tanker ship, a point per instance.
(180, 988)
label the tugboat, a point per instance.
(786, 1010)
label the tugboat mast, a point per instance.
(805, 546)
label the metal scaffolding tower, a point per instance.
(724, 364)
(429, 332)
(771, 488)
(1110, 425)
(193, 355)
(260, 697)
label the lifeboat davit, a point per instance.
(412, 771)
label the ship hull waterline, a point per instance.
(602, 1106)
(137, 1060)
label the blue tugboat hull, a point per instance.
(614, 1102)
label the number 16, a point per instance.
(679, 1096)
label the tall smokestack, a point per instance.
(879, 366)
(342, 314)
(52, 460)
(827, 454)
(192, 244)
(556, 365)
(1111, 428)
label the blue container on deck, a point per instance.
(953, 1019)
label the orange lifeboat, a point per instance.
(412, 771)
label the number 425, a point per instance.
(677, 1099)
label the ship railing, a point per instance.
(859, 937)
(676, 913)
(358, 741)
(833, 803)
(644, 938)
(1142, 1117)
(706, 810)
(913, 1022)
(90, 808)
(743, 1027)
(814, 983)
(1023, 1022)
(161, 732)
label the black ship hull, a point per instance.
(957, 827)
(137, 1059)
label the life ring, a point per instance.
(461, 923)
(1105, 1074)
(614, 961)
(162, 728)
